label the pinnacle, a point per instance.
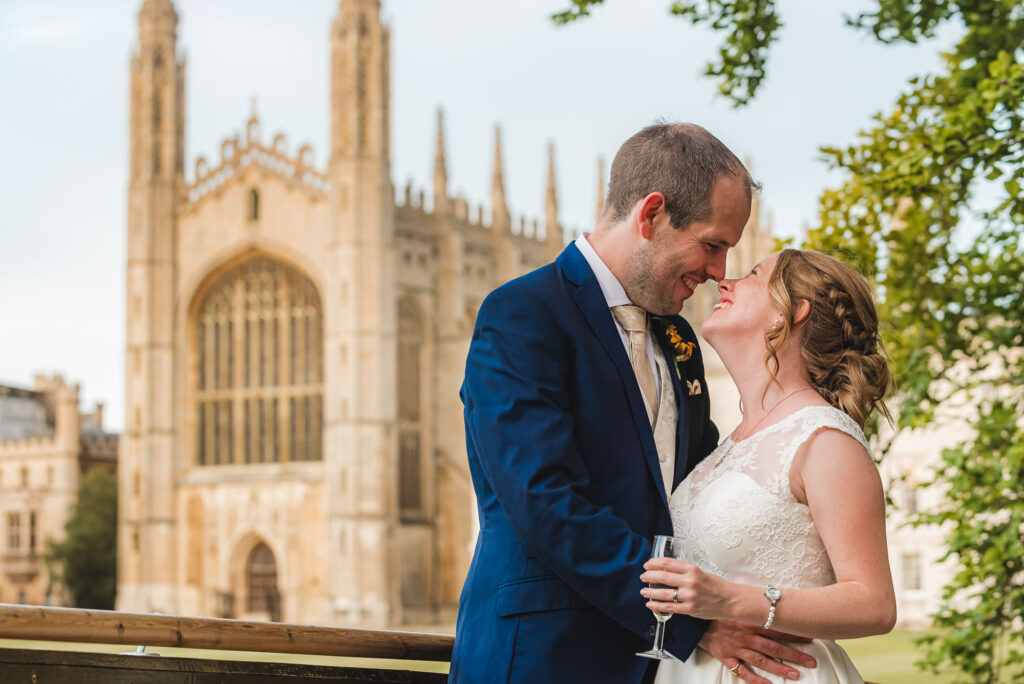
(158, 7)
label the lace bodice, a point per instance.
(736, 512)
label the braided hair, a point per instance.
(839, 341)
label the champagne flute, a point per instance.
(664, 547)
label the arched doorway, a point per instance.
(262, 595)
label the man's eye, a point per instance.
(712, 247)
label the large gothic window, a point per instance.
(259, 367)
(410, 466)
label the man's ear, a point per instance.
(650, 207)
(803, 309)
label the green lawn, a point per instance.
(889, 659)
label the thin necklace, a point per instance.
(774, 406)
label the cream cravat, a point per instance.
(634, 320)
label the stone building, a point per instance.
(46, 445)
(918, 573)
(293, 445)
(296, 339)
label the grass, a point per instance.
(889, 659)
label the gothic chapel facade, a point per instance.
(296, 338)
(293, 443)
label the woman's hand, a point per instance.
(696, 592)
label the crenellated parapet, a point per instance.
(238, 155)
(27, 446)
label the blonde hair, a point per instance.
(839, 343)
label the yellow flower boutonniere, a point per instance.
(684, 350)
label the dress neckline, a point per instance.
(784, 421)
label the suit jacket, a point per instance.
(568, 486)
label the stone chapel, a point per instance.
(295, 342)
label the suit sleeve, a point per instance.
(520, 424)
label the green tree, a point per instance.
(931, 210)
(86, 560)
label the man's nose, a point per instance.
(716, 269)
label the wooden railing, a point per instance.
(151, 630)
(135, 629)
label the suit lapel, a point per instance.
(591, 302)
(682, 399)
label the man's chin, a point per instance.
(669, 310)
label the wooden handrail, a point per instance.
(111, 627)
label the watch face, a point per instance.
(773, 593)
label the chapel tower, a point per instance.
(296, 340)
(147, 529)
(360, 342)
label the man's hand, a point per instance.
(735, 642)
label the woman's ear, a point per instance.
(803, 309)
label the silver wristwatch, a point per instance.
(773, 594)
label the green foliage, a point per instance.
(932, 212)
(750, 27)
(950, 154)
(579, 9)
(86, 560)
(975, 627)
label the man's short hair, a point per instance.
(680, 160)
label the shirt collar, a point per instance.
(611, 288)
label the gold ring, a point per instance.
(675, 595)
(735, 669)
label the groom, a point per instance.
(585, 405)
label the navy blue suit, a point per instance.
(568, 486)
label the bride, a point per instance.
(784, 523)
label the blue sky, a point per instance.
(587, 87)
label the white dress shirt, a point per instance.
(615, 295)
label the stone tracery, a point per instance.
(259, 368)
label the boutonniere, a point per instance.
(681, 352)
(684, 350)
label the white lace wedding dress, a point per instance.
(740, 521)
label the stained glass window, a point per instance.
(259, 367)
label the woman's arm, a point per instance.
(840, 483)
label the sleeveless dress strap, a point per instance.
(810, 421)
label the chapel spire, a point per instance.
(500, 219)
(440, 166)
(552, 229)
(360, 65)
(157, 96)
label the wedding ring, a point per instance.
(735, 669)
(675, 595)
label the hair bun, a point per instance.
(850, 369)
